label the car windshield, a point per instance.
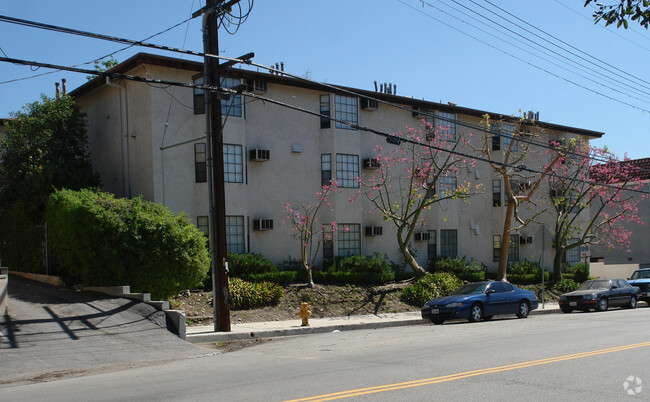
(644, 274)
(600, 284)
(469, 289)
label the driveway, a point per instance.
(52, 332)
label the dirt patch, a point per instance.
(324, 301)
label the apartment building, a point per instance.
(149, 140)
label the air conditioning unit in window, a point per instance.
(369, 104)
(259, 155)
(262, 224)
(371, 164)
(422, 236)
(374, 231)
(256, 86)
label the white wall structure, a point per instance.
(149, 140)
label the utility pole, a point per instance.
(212, 11)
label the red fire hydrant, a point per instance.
(304, 313)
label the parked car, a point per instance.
(481, 301)
(641, 279)
(600, 294)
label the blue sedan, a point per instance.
(481, 301)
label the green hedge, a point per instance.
(242, 265)
(358, 270)
(429, 287)
(566, 285)
(246, 295)
(104, 241)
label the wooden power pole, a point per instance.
(212, 12)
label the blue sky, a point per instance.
(434, 50)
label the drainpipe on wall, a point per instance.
(124, 135)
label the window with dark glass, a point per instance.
(432, 246)
(235, 240)
(347, 170)
(200, 164)
(349, 239)
(199, 97)
(328, 242)
(325, 121)
(448, 243)
(202, 224)
(346, 108)
(233, 164)
(447, 125)
(496, 193)
(325, 169)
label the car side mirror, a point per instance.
(614, 287)
(489, 292)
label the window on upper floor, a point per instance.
(448, 184)
(508, 133)
(513, 248)
(446, 123)
(347, 170)
(200, 163)
(325, 112)
(496, 193)
(349, 239)
(231, 104)
(346, 108)
(325, 169)
(233, 164)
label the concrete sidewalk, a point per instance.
(205, 333)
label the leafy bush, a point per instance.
(245, 295)
(579, 271)
(104, 241)
(242, 265)
(526, 273)
(429, 287)
(472, 271)
(566, 285)
(357, 269)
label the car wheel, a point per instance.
(476, 313)
(524, 309)
(602, 304)
(632, 303)
(566, 310)
(436, 321)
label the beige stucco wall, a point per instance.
(163, 118)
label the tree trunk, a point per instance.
(310, 280)
(557, 263)
(505, 242)
(418, 271)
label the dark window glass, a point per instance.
(325, 121)
(200, 164)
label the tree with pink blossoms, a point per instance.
(593, 198)
(413, 176)
(306, 228)
(521, 182)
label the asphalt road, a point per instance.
(578, 356)
(53, 332)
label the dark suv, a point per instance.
(641, 279)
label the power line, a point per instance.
(525, 61)
(391, 138)
(184, 51)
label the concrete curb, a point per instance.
(295, 331)
(257, 330)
